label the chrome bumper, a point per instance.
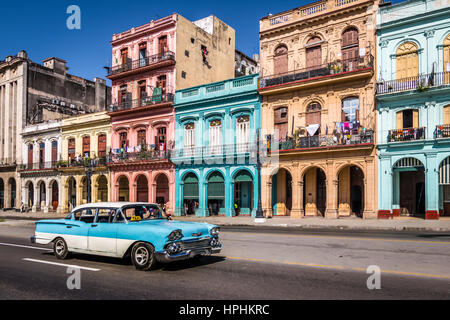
(165, 257)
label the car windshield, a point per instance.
(142, 212)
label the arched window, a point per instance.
(350, 109)
(407, 61)
(313, 53)
(123, 140)
(71, 149)
(86, 146)
(447, 59)
(280, 60)
(161, 139)
(189, 138)
(350, 49)
(215, 136)
(102, 145)
(313, 115)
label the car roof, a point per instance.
(111, 205)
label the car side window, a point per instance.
(77, 215)
(105, 215)
(119, 217)
(87, 215)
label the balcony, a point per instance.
(420, 83)
(442, 131)
(409, 134)
(7, 164)
(322, 141)
(220, 151)
(139, 154)
(81, 163)
(321, 74)
(145, 102)
(324, 7)
(38, 166)
(141, 65)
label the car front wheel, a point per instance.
(143, 256)
(60, 249)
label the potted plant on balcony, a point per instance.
(335, 67)
(421, 87)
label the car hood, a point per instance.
(188, 228)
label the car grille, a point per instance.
(198, 244)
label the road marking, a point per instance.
(314, 265)
(60, 264)
(21, 246)
(338, 237)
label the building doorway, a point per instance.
(282, 193)
(190, 194)
(243, 193)
(314, 192)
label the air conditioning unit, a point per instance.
(63, 103)
(72, 106)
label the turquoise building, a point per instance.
(413, 104)
(215, 153)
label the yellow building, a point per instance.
(86, 142)
(317, 84)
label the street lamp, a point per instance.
(259, 212)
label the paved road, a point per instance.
(253, 265)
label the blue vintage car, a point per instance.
(139, 230)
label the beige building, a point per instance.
(86, 142)
(317, 85)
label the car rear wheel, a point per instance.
(143, 256)
(60, 249)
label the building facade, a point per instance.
(215, 156)
(30, 94)
(40, 179)
(86, 145)
(149, 63)
(317, 84)
(244, 65)
(413, 94)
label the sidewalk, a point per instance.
(397, 224)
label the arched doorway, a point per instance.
(314, 192)
(55, 195)
(30, 194)
(243, 193)
(102, 189)
(444, 187)
(124, 189)
(2, 194)
(72, 193)
(216, 193)
(13, 192)
(142, 189)
(42, 195)
(282, 193)
(409, 187)
(351, 191)
(190, 194)
(162, 189)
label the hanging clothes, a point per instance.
(312, 129)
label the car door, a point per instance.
(103, 233)
(76, 230)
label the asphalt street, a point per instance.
(254, 265)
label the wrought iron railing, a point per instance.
(339, 139)
(147, 101)
(420, 83)
(330, 68)
(408, 134)
(7, 162)
(442, 131)
(141, 63)
(152, 155)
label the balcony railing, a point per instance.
(38, 166)
(151, 155)
(318, 141)
(442, 131)
(409, 134)
(147, 101)
(141, 63)
(326, 69)
(420, 83)
(212, 151)
(7, 163)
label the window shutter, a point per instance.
(415, 118)
(400, 120)
(447, 114)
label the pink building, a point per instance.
(149, 63)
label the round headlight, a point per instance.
(175, 235)
(215, 231)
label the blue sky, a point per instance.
(42, 32)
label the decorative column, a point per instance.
(332, 198)
(48, 193)
(62, 192)
(35, 199)
(431, 187)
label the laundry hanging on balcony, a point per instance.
(157, 95)
(312, 129)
